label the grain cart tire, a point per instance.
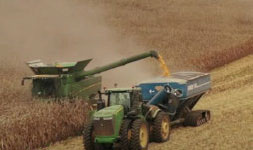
(125, 134)
(208, 116)
(161, 128)
(192, 118)
(88, 137)
(139, 135)
(197, 118)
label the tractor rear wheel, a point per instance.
(161, 127)
(125, 134)
(139, 135)
(88, 137)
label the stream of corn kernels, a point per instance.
(166, 71)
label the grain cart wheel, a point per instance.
(125, 134)
(161, 128)
(208, 116)
(197, 118)
(192, 118)
(88, 137)
(139, 135)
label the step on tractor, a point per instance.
(70, 80)
(129, 118)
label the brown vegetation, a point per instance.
(38, 124)
(211, 60)
(26, 123)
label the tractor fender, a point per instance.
(154, 110)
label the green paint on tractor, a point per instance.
(107, 123)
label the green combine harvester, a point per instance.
(70, 80)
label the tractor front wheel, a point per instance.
(125, 134)
(161, 127)
(139, 135)
(88, 137)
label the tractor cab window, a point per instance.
(120, 99)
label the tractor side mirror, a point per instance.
(100, 102)
(100, 94)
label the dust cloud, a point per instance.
(63, 30)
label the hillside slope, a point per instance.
(182, 30)
(230, 102)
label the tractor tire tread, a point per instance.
(135, 130)
(156, 135)
(87, 137)
(124, 141)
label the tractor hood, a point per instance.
(108, 112)
(107, 123)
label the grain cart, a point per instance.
(181, 93)
(70, 80)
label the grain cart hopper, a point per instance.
(70, 80)
(181, 93)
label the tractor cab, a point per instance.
(127, 97)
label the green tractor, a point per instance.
(125, 122)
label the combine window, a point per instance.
(44, 88)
